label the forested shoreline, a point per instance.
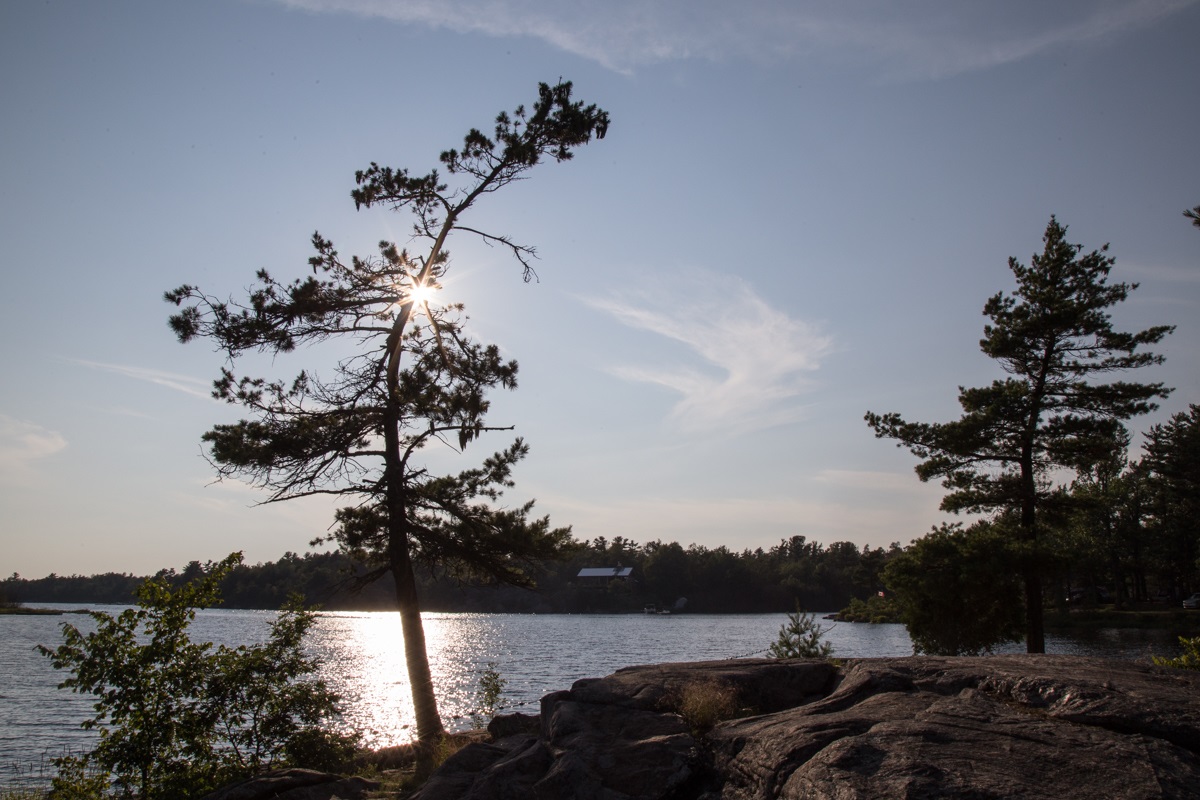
(1128, 545)
(1122, 534)
(706, 580)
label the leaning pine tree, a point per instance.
(414, 378)
(1053, 337)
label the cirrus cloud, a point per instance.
(916, 40)
(170, 380)
(750, 363)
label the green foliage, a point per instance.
(1171, 464)
(22, 793)
(79, 778)
(1053, 336)
(1194, 215)
(491, 688)
(1190, 659)
(1101, 539)
(408, 378)
(175, 716)
(711, 580)
(957, 591)
(874, 609)
(800, 637)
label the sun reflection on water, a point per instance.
(363, 661)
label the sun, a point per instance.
(422, 295)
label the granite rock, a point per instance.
(923, 727)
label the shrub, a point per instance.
(800, 637)
(959, 591)
(1190, 659)
(491, 687)
(177, 717)
(703, 704)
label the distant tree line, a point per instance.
(1127, 532)
(323, 578)
(665, 575)
(718, 580)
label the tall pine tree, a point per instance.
(358, 435)
(1054, 338)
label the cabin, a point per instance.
(601, 577)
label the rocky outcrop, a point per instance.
(295, 784)
(924, 727)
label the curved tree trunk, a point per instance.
(416, 657)
(429, 723)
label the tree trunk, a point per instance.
(1035, 634)
(429, 723)
(416, 656)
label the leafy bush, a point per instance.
(491, 687)
(177, 717)
(958, 590)
(1190, 659)
(800, 637)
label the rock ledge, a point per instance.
(923, 727)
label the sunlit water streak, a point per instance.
(363, 660)
(534, 654)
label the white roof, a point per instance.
(605, 572)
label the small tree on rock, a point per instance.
(800, 637)
(1053, 336)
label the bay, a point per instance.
(362, 657)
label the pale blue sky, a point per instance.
(797, 216)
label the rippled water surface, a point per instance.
(363, 659)
(537, 654)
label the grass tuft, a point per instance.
(703, 704)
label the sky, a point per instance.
(797, 215)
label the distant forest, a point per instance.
(692, 579)
(1123, 533)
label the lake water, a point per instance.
(363, 659)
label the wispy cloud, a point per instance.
(22, 444)
(937, 38)
(924, 39)
(756, 358)
(171, 380)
